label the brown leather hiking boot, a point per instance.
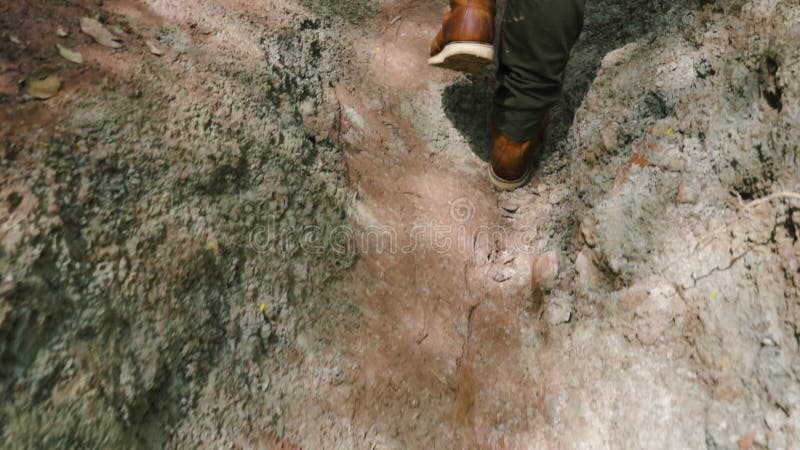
(465, 41)
(512, 161)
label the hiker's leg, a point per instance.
(536, 39)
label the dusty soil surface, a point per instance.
(280, 233)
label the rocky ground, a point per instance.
(267, 224)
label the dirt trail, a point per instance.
(280, 233)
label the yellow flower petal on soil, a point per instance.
(213, 245)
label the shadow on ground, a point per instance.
(467, 103)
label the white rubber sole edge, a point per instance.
(505, 185)
(482, 51)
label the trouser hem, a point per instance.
(518, 125)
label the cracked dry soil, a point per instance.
(177, 244)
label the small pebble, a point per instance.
(504, 275)
(509, 206)
(154, 49)
(558, 313)
(686, 195)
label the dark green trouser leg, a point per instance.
(536, 39)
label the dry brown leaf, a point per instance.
(43, 83)
(69, 55)
(154, 49)
(99, 33)
(639, 159)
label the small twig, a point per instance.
(392, 22)
(769, 198)
(411, 193)
(339, 114)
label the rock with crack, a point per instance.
(558, 311)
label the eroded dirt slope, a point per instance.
(280, 233)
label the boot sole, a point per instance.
(468, 57)
(506, 185)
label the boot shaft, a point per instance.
(470, 21)
(489, 6)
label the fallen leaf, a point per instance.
(62, 32)
(14, 39)
(43, 83)
(639, 160)
(99, 33)
(69, 55)
(153, 48)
